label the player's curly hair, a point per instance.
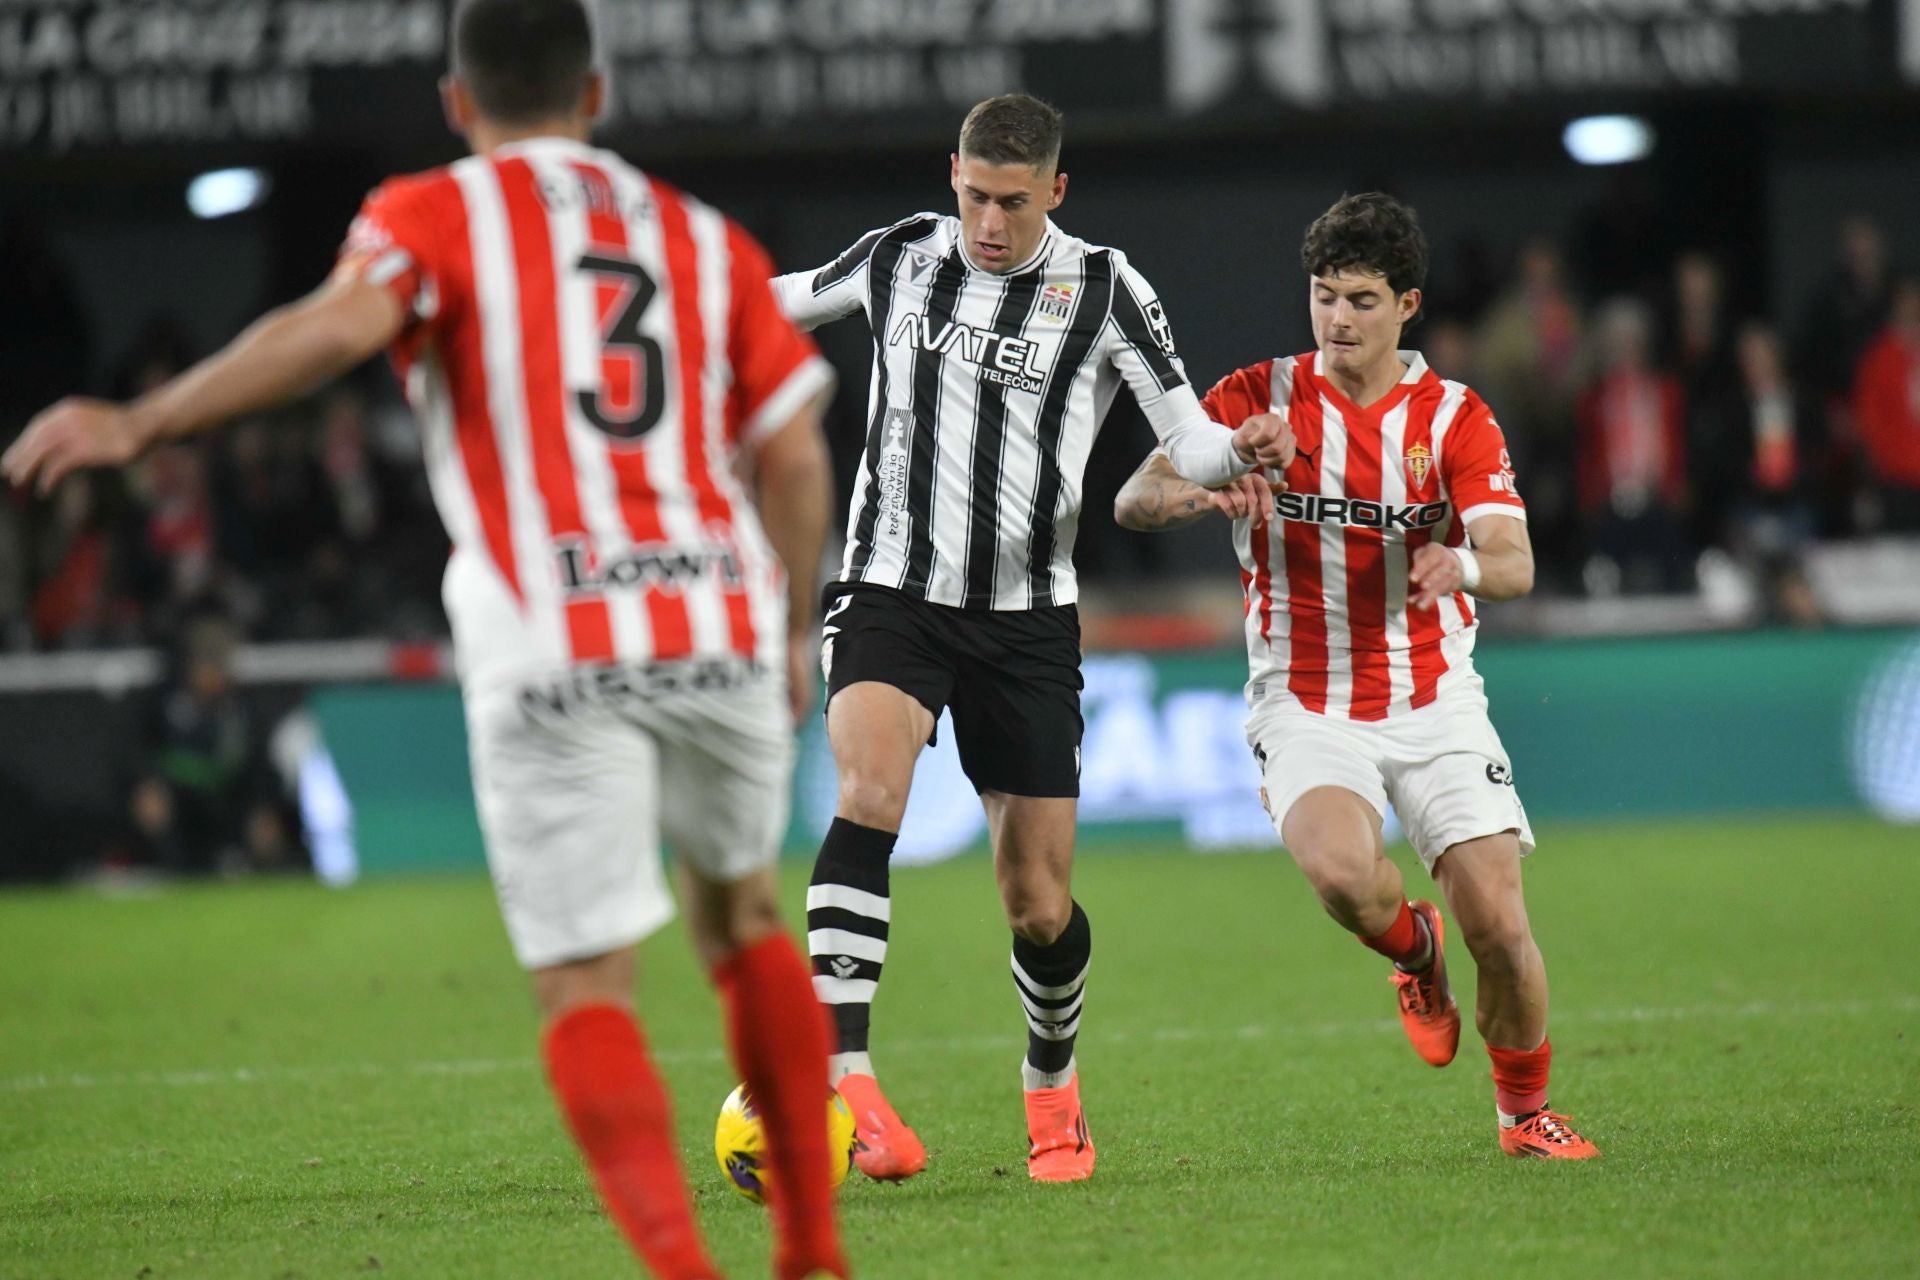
(1014, 128)
(524, 61)
(1372, 232)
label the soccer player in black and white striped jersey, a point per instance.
(1000, 343)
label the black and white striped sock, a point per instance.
(1052, 982)
(848, 913)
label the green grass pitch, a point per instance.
(268, 1081)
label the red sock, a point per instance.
(1404, 939)
(779, 1035)
(618, 1112)
(1520, 1078)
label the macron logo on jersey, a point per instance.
(1313, 508)
(1007, 360)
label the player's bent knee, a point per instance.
(1039, 921)
(1340, 873)
(1500, 939)
(873, 802)
(603, 979)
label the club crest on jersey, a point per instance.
(1056, 303)
(1419, 464)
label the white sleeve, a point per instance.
(1140, 344)
(1199, 448)
(812, 298)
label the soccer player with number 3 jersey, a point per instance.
(1361, 560)
(593, 358)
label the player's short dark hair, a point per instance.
(523, 60)
(1372, 232)
(1014, 128)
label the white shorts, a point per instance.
(578, 777)
(1442, 767)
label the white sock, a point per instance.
(1034, 1078)
(842, 1065)
(1428, 962)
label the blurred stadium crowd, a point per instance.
(1650, 419)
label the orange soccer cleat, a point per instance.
(1427, 1010)
(884, 1148)
(1545, 1135)
(1060, 1147)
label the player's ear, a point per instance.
(1059, 192)
(1409, 304)
(457, 103)
(953, 177)
(593, 98)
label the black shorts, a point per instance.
(1010, 676)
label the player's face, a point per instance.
(1357, 319)
(1003, 209)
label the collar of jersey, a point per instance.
(1416, 370)
(549, 142)
(1040, 255)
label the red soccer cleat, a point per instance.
(1427, 1010)
(1060, 1148)
(1545, 1135)
(884, 1148)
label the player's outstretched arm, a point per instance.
(794, 493)
(283, 354)
(1499, 565)
(1156, 497)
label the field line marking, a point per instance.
(182, 1079)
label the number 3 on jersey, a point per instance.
(618, 406)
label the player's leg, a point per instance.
(1323, 786)
(876, 732)
(1481, 881)
(1335, 838)
(886, 679)
(617, 1110)
(778, 1033)
(1052, 951)
(568, 803)
(1455, 793)
(727, 766)
(1016, 720)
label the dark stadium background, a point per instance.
(1201, 139)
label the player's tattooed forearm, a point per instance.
(1156, 507)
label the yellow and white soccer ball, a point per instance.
(740, 1143)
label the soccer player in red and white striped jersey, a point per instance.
(592, 357)
(1359, 557)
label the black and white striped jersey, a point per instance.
(988, 390)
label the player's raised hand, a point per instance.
(1250, 495)
(77, 432)
(1265, 440)
(1434, 573)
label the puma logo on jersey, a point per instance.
(1005, 358)
(1314, 508)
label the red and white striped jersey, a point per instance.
(1326, 581)
(588, 353)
